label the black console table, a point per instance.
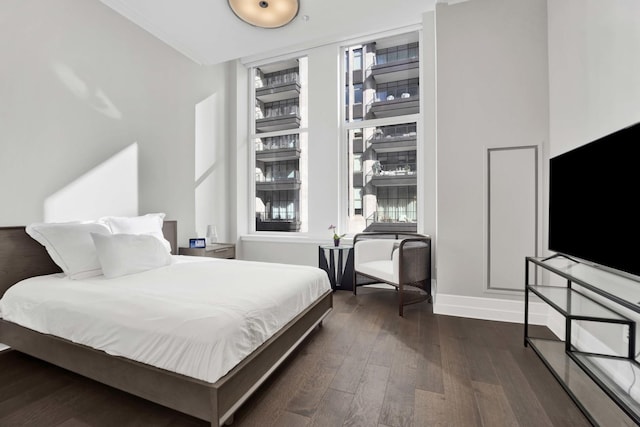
(340, 272)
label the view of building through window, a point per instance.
(381, 107)
(280, 142)
(381, 110)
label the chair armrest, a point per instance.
(372, 250)
(395, 258)
(415, 256)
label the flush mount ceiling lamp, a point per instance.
(265, 13)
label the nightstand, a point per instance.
(217, 250)
(340, 273)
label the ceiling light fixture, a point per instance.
(265, 13)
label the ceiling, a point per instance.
(209, 33)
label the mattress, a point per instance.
(198, 317)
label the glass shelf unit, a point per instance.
(600, 369)
(621, 290)
(613, 376)
(590, 398)
(576, 305)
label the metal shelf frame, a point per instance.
(575, 304)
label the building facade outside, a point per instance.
(381, 110)
(280, 145)
(382, 99)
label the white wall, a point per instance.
(240, 158)
(594, 69)
(491, 92)
(98, 117)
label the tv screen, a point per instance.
(594, 191)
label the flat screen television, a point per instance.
(594, 193)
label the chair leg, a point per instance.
(400, 301)
(355, 278)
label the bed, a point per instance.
(215, 401)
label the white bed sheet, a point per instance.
(198, 316)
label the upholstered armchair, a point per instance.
(399, 259)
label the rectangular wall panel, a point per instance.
(512, 214)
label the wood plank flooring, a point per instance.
(365, 367)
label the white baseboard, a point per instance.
(490, 309)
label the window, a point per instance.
(397, 205)
(357, 59)
(381, 133)
(402, 89)
(357, 162)
(357, 200)
(280, 143)
(397, 53)
(357, 93)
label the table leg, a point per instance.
(339, 272)
(322, 263)
(332, 269)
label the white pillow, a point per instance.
(150, 224)
(70, 246)
(122, 254)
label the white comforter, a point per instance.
(198, 317)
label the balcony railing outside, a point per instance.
(399, 169)
(278, 143)
(379, 137)
(278, 79)
(398, 93)
(384, 215)
(278, 216)
(277, 176)
(278, 111)
(384, 60)
(396, 54)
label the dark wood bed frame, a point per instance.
(22, 257)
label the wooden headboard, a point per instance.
(22, 257)
(170, 231)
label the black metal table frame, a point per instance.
(342, 276)
(570, 350)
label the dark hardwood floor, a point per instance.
(365, 367)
